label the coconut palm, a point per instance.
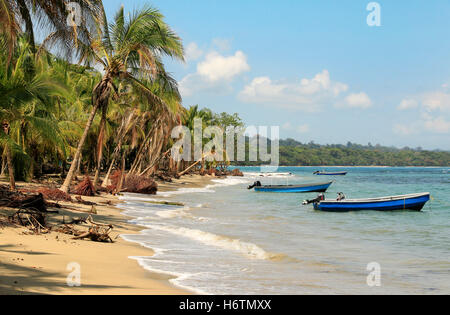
(26, 89)
(53, 16)
(130, 51)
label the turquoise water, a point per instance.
(228, 240)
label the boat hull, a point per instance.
(415, 203)
(295, 189)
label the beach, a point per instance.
(207, 235)
(37, 264)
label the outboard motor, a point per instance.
(256, 184)
(340, 197)
(320, 197)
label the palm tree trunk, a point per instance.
(12, 182)
(65, 187)
(101, 137)
(3, 166)
(115, 154)
(122, 175)
(100, 98)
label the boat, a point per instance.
(331, 173)
(303, 188)
(404, 202)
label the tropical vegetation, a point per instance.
(93, 95)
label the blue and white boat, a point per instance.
(331, 173)
(303, 188)
(404, 202)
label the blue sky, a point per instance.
(316, 69)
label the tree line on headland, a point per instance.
(295, 153)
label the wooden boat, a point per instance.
(303, 188)
(331, 173)
(405, 202)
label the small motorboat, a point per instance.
(414, 202)
(303, 188)
(330, 173)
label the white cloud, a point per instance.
(408, 104)
(437, 125)
(358, 100)
(306, 94)
(436, 101)
(193, 52)
(214, 73)
(433, 108)
(217, 67)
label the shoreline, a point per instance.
(38, 264)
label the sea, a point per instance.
(230, 240)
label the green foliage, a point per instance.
(294, 153)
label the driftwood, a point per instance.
(97, 232)
(84, 202)
(32, 219)
(22, 201)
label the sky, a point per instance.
(317, 68)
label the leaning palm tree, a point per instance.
(130, 51)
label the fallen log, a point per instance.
(84, 202)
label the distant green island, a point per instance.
(295, 153)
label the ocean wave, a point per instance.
(248, 249)
(229, 181)
(186, 191)
(177, 279)
(183, 212)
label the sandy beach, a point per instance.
(38, 264)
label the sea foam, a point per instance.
(248, 249)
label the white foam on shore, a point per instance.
(178, 277)
(185, 191)
(229, 181)
(248, 249)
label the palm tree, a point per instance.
(26, 89)
(51, 15)
(130, 51)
